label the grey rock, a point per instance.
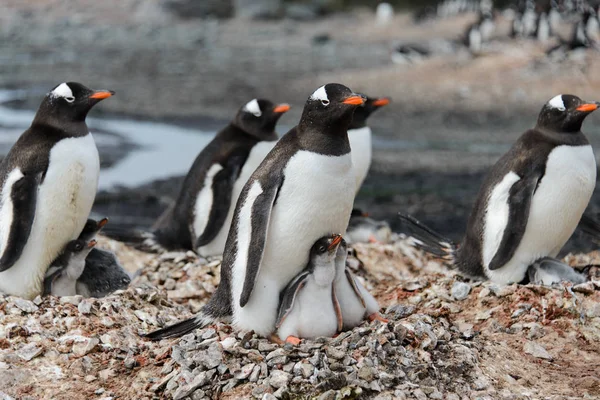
(536, 350)
(85, 307)
(245, 372)
(279, 379)
(25, 305)
(29, 351)
(268, 396)
(401, 310)
(83, 347)
(367, 373)
(255, 374)
(585, 288)
(335, 353)
(303, 369)
(460, 290)
(75, 300)
(264, 346)
(328, 395)
(210, 358)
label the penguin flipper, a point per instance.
(288, 296)
(222, 189)
(519, 203)
(23, 197)
(261, 216)
(352, 282)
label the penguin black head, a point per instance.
(70, 102)
(565, 113)
(372, 104)
(78, 246)
(326, 245)
(331, 106)
(258, 117)
(91, 228)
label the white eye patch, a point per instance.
(63, 90)
(253, 108)
(320, 94)
(557, 102)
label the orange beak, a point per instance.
(102, 222)
(354, 100)
(336, 240)
(92, 243)
(384, 101)
(281, 108)
(587, 107)
(101, 94)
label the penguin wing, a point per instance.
(23, 197)
(259, 220)
(222, 190)
(288, 296)
(352, 282)
(519, 204)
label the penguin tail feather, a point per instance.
(428, 240)
(590, 226)
(181, 328)
(141, 240)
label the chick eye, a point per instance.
(322, 249)
(325, 102)
(69, 99)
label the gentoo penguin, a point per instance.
(356, 303)
(530, 202)
(63, 273)
(102, 275)
(308, 305)
(202, 214)
(302, 191)
(48, 182)
(360, 134)
(548, 271)
(364, 229)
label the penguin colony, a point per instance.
(277, 210)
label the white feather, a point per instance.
(256, 156)
(66, 283)
(556, 208)
(360, 144)
(557, 102)
(64, 202)
(320, 94)
(315, 200)
(6, 210)
(253, 108)
(62, 90)
(204, 201)
(496, 217)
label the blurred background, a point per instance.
(466, 78)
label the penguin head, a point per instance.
(70, 102)
(92, 227)
(565, 113)
(80, 247)
(372, 104)
(258, 117)
(331, 106)
(326, 248)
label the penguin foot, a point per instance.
(293, 340)
(378, 317)
(373, 239)
(275, 339)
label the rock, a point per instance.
(585, 288)
(258, 9)
(245, 372)
(25, 305)
(367, 373)
(84, 346)
(303, 369)
(335, 353)
(279, 379)
(210, 358)
(536, 350)
(75, 300)
(228, 343)
(107, 373)
(264, 346)
(29, 351)
(460, 290)
(85, 307)
(328, 395)
(189, 9)
(269, 396)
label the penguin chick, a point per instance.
(61, 277)
(308, 305)
(547, 271)
(102, 275)
(91, 229)
(363, 229)
(355, 301)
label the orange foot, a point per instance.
(377, 317)
(373, 239)
(275, 339)
(293, 340)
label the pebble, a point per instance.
(75, 300)
(536, 350)
(460, 290)
(585, 288)
(29, 351)
(85, 307)
(228, 343)
(84, 346)
(245, 372)
(26, 305)
(279, 379)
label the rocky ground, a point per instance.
(446, 339)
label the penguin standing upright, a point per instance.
(302, 191)
(202, 214)
(360, 136)
(530, 202)
(48, 183)
(308, 304)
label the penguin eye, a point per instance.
(69, 99)
(78, 247)
(325, 102)
(322, 249)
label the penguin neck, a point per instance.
(329, 139)
(239, 131)
(575, 138)
(66, 128)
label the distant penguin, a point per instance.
(409, 54)
(355, 301)
(473, 38)
(61, 277)
(308, 304)
(548, 271)
(543, 30)
(102, 275)
(302, 191)
(592, 26)
(384, 13)
(530, 202)
(360, 136)
(363, 229)
(48, 183)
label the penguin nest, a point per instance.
(446, 338)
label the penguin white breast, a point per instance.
(556, 208)
(257, 154)
(64, 202)
(315, 200)
(205, 201)
(353, 311)
(360, 144)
